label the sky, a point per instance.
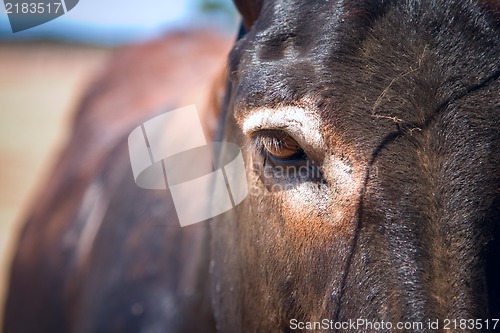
(123, 21)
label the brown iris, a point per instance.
(282, 146)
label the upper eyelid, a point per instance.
(274, 137)
(302, 125)
(271, 126)
(272, 132)
(259, 136)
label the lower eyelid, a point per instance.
(287, 162)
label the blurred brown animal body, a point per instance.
(90, 260)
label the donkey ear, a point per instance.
(250, 10)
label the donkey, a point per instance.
(370, 133)
(393, 107)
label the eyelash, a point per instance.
(274, 138)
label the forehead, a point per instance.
(300, 52)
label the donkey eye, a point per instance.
(280, 160)
(280, 146)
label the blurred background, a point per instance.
(44, 72)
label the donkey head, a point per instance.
(371, 135)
